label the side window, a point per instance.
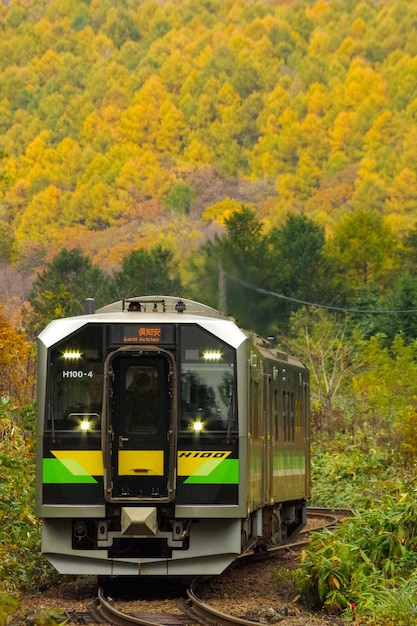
(275, 409)
(288, 405)
(292, 417)
(254, 409)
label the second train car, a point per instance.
(169, 440)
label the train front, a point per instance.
(139, 460)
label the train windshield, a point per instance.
(76, 383)
(208, 383)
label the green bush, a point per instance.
(369, 561)
(180, 197)
(360, 471)
(21, 563)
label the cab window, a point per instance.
(76, 382)
(208, 385)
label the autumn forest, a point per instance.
(126, 124)
(259, 156)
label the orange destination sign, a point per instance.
(146, 333)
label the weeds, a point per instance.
(369, 562)
(21, 563)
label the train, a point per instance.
(169, 440)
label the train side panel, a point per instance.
(278, 467)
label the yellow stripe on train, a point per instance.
(190, 461)
(141, 462)
(90, 460)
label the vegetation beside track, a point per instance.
(21, 564)
(366, 569)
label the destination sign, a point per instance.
(142, 333)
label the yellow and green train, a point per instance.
(169, 440)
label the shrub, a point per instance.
(180, 197)
(372, 555)
(360, 470)
(21, 563)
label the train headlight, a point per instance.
(85, 426)
(72, 354)
(212, 355)
(197, 426)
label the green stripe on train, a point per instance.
(216, 472)
(65, 471)
(292, 464)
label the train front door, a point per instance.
(140, 442)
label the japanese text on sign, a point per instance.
(138, 333)
(145, 334)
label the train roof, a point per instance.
(174, 310)
(149, 309)
(163, 304)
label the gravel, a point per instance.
(262, 591)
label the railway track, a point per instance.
(192, 611)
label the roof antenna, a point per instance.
(180, 306)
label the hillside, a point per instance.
(123, 122)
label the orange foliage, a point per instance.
(148, 210)
(17, 365)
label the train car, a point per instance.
(169, 440)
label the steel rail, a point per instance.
(199, 611)
(108, 612)
(327, 511)
(210, 615)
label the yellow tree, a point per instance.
(316, 144)
(41, 213)
(152, 119)
(143, 177)
(342, 128)
(221, 211)
(361, 82)
(363, 247)
(402, 194)
(225, 130)
(176, 67)
(264, 158)
(385, 138)
(172, 130)
(97, 204)
(370, 193)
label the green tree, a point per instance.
(297, 266)
(120, 27)
(244, 272)
(402, 298)
(408, 250)
(230, 268)
(61, 289)
(384, 392)
(180, 197)
(144, 272)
